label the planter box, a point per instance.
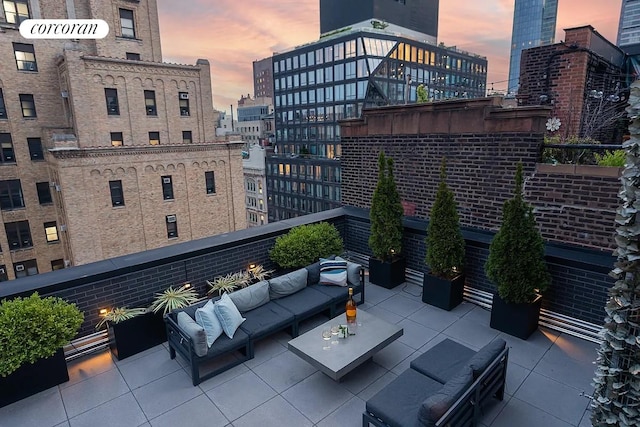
(30, 379)
(519, 320)
(387, 274)
(136, 334)
(442, 293)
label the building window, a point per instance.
(28, 105)
(172, 226)
(3, 273)
(126, 24)
(184, 103)
(18, 234)
(111, 96)
(51, 232)
(210, 182)
(117, 196)
(186, 137)
(57, 264)
(133, 56)
(116, 139)
(154, 138)
(11, 195)
(35, 149)
(15, 11)
(44, 193)
(167, 188)
(6, 149)
(25, 268)
(3, 109)
(150, 102)
(251, 185)
(25, 57)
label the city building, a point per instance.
(415, 18)
(263, 78)
(106, 150)
(256, 123)
(255, 185)
(629, 27)
(225, 124)
(582, 79)
(534, 24)
(320, 83)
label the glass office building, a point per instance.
(534, 24)
(317, 84)
(629, 28)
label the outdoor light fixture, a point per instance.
(252, 266)
(186, 285)
(103, 311)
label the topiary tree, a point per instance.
(386, 213)
(617, 383)
(445, 244)
(303, 245)
(516, 254)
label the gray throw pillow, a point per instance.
(483, 358)
(435, 406)
(251, 297)
(195, 332)
(353, 273)
(288, 284)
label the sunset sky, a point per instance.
(231, 34)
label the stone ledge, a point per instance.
(583, 170)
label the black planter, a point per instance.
(519, 320)
(30, 379)
(387, 274)
(136, 334)
(442, 293)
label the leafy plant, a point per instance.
(423, 95)
(33, 328)
(171, 299)
(615, 158)
(259, 273)
(305, 244)
(516, 254)
(229, 282)
(386, 213)
(568, 155)
(120, 314)
(445, 244)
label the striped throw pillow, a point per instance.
(333, 272)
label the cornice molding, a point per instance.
(123, 65)
(135, 151)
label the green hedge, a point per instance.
(303, 245)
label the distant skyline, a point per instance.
(232, 34)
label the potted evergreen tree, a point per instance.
(443, 285)
(387, 266)
(516, 265)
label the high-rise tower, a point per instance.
(629, 28)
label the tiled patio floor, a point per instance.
(546, 375)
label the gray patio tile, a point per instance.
(471, 332)
(375, 294)
(406, 363)
(492, 409)
(573, 372)
(411, 291)
(362, 377)
(221, 377)
(348, 415)
(284, 370)
(122, 411)
(414, 334)
(200, 412)
(84, 368)
(434, 318)
(557, 399)
(92, 392)
(521, 414)
(376, 386)
(516, 375)
(393, 354)
(64, 424)
(478, 315)
(148, 368)
(166, 393)
(40, 410)
(264, 350)
(159, 347)
(385, 314)
(527, 353)
(576, 348)
(401, 305)
(317, 396)
(586, 419)
(436, 340)
(240, 395)
(464, 308)
(277, 412)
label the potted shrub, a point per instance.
(172, 299)
(132, 330)
(305, 244)
(387, 266)
(228, 283)
(516, 265)
(443, 285)
(33, 331)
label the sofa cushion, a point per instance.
(266, 319)
(195, 332)
(287, 284)
(314, 272)
(435, 406)
(191, 310)
(305, 303)
(353, 273)
(333, 272)
(225, 345)
(398, 403)
(228, 314)
(443, 361)
(251, 297)
(207, 318)
(483, 358)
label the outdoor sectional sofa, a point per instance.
(269, 306)
(446, 386)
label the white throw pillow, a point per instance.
(206, 317)
(228, 314)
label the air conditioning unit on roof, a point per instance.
(184, 95)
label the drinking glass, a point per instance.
(326, 336)
(335, 329)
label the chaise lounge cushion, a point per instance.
(398, 403)
(251, 297)
(195, 332)
(483, 358)
(305, 303)
(443, 361)
(287, 284)
(228, 314)
(206, 317)
(266, 319)
(435, 406)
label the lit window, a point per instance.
(15, 11)
(154, 138)
(116, 139)
(25, 57)
(126, 24)
(51, 232)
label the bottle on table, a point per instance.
(351, 313)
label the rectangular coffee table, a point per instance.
(371, 337)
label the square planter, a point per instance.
(519, 320)
(136, 334)
(442, 293)
(387, 274)
(30, 379)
